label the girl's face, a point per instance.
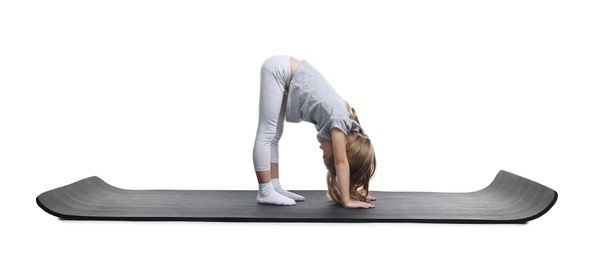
(327, 147)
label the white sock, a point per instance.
(268, 195)
(286, 193)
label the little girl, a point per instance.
(297, 91)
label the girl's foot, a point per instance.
(268, 195)
(286, 193)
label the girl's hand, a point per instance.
(370, 198)
(354, 204)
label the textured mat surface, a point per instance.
(508, 199)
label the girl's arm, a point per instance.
(342, 169)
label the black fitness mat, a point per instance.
(508, 199)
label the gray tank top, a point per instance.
(312, 99)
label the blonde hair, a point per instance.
(361, 159)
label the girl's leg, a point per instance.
(274, 78)
(274, 171)
(275, 142)
(263, 136)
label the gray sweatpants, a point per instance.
(275, 76)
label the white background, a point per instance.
(164, 94)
